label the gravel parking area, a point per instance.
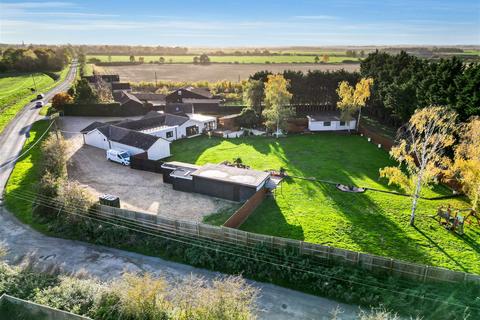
(138, 190)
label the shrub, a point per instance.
(75, 200)
(60, 99)
(73, 295)
(54, 151)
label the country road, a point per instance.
(72, 257)
(13, 136)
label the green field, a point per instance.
(228, 59)
(15, 92)
(371, 222)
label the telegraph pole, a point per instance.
(155, 79)
(34, 83)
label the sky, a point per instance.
(242, 23)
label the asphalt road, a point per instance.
(24, 243)
(13, 136)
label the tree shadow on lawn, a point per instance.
(372, 230)
(268, 219)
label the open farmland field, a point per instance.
(213, 72)
(230, 59)
(372, 222)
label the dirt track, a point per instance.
(213, 72)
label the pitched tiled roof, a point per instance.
(121, 86)
(97, 124)
(200, 91)
(151, 120)
(149, 96)
(124, 97)
(128, 137)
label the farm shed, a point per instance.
(113, 137)
(216, 180)
(329, 121)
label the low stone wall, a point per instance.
(242, 214)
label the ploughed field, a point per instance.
(317, 212)
(212, 72)
(333, 57)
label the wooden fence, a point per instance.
(241, 215)
(326, 254)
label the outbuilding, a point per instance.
(216, 180)
(329, 121)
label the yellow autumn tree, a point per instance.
(419, 151)
(352, 99)
(277, 103)
(466, 167)
(325, 58)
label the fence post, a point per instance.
(425, 274)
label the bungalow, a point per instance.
(329, 121)
(156, 100)
(188, 92)
(172, 126)
(128, 100)
(109, 136)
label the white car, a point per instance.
(122, 157)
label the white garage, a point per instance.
(113, 137)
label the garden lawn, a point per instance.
(371, 222)
(15, 92)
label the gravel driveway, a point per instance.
(138, 190)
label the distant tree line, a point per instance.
(403, 83)
(130, 50)
(34, 59)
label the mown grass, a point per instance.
(25, 176)
(15, 92)
(227, 59)
(371, 222)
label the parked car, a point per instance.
(122, 157)
(40, 96)
(38, 104)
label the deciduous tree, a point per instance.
(467, 161)
(419, 151)
(277, 103)
(61, 99)
(84, 92)
(352, 100)
(253, 93)
(325, 58)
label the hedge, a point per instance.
(103, 110)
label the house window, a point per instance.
(327, 123)
(170, 134)
(342, 123)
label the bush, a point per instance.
(73, 295)
(61, 99)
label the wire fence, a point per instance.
(327, 254)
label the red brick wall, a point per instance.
(246, 210)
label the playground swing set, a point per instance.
(455, 221)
